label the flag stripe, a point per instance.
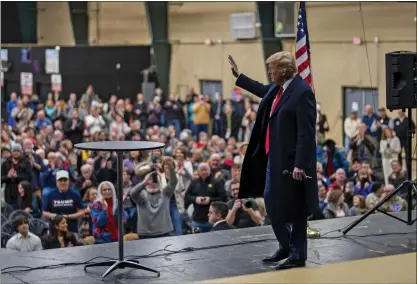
(302, 47)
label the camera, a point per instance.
(247, 202)
(154, 176)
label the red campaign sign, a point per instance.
(26, 83)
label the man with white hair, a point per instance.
(281, 154)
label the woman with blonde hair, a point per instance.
(390, 148)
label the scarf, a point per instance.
(112, 226)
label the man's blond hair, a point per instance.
(284, 61)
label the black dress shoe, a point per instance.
(290, 263)
(277, 256)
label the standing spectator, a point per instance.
(74, 127)
(173, 113)
(140, 109)
(370, 119)
(64, 201)
(390, 148)
(14, 170)
(217, 216)
(104, 214)
(11, 104)
(364, 146)
(22, 115)
(27, 201)
(89, 97)
(86, 180)
(152, 202)
(42, 121)
(331, 158)
(363, 183)
(23, 241)
(322, 124)
(218, 115)
(351, 127)
(128, 205)
(35, 162)
(94, 122)
(401, 130)
(202, 191)
(201, 110)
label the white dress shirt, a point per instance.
(18, 242)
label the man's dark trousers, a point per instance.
(294, 240)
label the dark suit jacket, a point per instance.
(222, 226)
(292, 144)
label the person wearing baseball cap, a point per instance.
(64, 201)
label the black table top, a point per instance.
(119, 146)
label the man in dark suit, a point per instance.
(280, 161)
(217, 216)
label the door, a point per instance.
(208, 87)
(355, 99)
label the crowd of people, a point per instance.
(54, 195)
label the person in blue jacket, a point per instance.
(104, 214)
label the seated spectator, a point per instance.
(59, 236)
(217, 216)
(395, 203)
(331, 158)
(339, 180)
(375, 195)
(359, 206)
(321, 178)
(152, 204)
(398, 175)
(64, 201)
(24, 240)
(354, 169)
(261, 205)
(202, 191)
(104, 214)
(27, 201)
(242, 213)
(322, 197)
(363, 183)
(336, 207)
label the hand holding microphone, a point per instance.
(297, 174)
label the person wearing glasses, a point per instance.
(64, 201)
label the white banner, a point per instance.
(51, 61)
(26, 83)
(4, 57)
(56, 82)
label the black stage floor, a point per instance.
(377, 236)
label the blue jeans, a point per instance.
(45, 193)
(130, 212)
(200, 128)
(177, 124)
(203, 227)
(176, 218)
(292, 237)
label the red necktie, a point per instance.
(277, 98)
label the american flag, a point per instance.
(302, 47)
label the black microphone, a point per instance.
(288, 173)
